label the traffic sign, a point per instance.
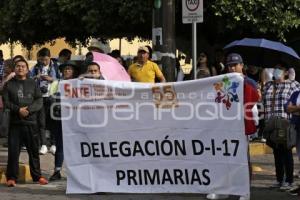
(192, 11)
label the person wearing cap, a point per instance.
(96, 46)
(234, 63)
(69, 71)
(145, 70)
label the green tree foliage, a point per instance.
(263, 16)
(25, 21)
(38, 21)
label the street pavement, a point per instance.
(263, 177)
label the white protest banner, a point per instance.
(185, 137)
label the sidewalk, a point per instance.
(264, 176)
(256, 149)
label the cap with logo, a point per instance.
(234, 58)
(143, 48)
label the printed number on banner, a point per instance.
(164, 97)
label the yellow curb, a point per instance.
(256, 168)
(2, 174)
(259, 149)
(24, 174)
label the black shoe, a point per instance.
(56, 176)
(295, 191)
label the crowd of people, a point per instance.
(273, 92)
(28, 96)
(30, 111)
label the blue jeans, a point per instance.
(59, 154)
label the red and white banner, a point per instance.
(185, 137)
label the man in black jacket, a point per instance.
(23, 98)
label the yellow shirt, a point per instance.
(145, 73)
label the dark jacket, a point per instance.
(22, 93)
(293, 100)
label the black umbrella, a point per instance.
(263, 53)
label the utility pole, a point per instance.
(11, 48)
(163, 36)
(79, 48)
(120, 45)
(29, 53)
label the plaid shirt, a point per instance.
(283, 93)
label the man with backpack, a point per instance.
(45, 72)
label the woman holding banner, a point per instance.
(93, 71)
(68, 70)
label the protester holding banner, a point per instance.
(93, 71)
(235, 64)
(69, 71)
(145, 70)
(276, 95)
(23, 98)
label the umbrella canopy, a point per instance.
(111, 69)
(263, 53)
